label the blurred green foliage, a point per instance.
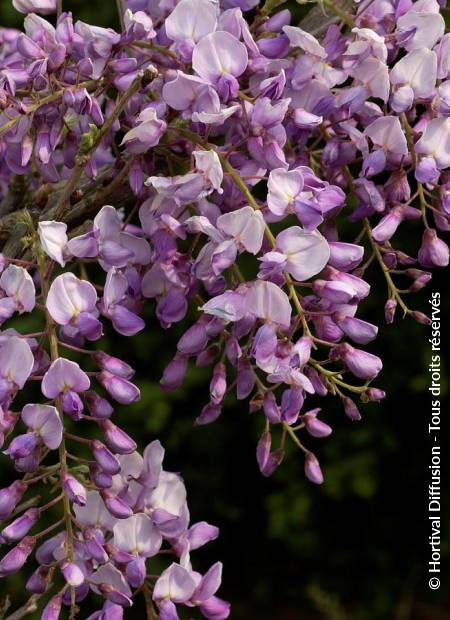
(353, 549)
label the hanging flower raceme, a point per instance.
(255, 176)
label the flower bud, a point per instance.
(118, 441)
(9, 498)
(16, 558)
(390, 259)
(72, 574)
(53, 608)
(20, 526)
(123, 391)
(387, 225)
(233, 350)
(433, 252)
(291, 403)
(136, 572)
(174, 374)
(194, 340)
(98, 407)
(74, 489)
(73, 405)
(208, 414)
(315, 427)
(362, 364)
(39, 580)
(420, 317)
(351, 410)
(89, 326)
(116, 506)
(268, 461)
(100, 478)
(218, 385)
(114, 365)
(207, 357)
(94, 546)
(245, 379)
(271, 409)
(389, 310)
(312, 469)
(421, 278)
(375, 394)
(113, 595)
(104, 458)
(22, 446)
(334, 291)
(345, 256)
(319, 387)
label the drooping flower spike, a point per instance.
(211, 166)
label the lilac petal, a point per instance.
(201, 533)
(215, 608)
(218, 54)
(45, 421)
(83, 246)
(64, 375)
(94, 513)
(68, 297)
(191, 20)
(89, 326)
(183, 91)
(120, 389)
(53, 608)
(168, 611)
(246, 226)
(72, 574)
(16, 360)
(136, 572)
(209, 584)
(230, 306)
(18, 284)
(153, 458)
(267, 301)
(307, 252)
(387, 133)
(110, 576)
(22, 446)
(45, 7)
(358, 330)
(312, 469)
(284, 186)
(53, 238)
(175, 584)
(126, 322)
(72, 405)
(435, 141)
(137, 535)
(208, 162)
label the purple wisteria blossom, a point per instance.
(217, 166)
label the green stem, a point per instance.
(343, 16)
(294, 437)
(83, 158)
(89, 85)
(391, 285)
(54, 355)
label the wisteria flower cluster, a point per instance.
(213, 157)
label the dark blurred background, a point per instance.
(355, 548)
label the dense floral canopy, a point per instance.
(217, 158)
